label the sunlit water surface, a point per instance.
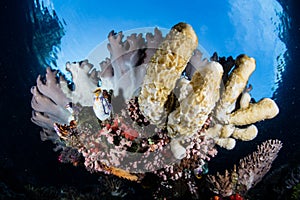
(228, 28)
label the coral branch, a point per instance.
(153, 41)
(84, 84)
(223, 185)
(49, 102)
(251, 170)
(126, 63)
(255, 166)
(51, 88)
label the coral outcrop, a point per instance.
(154, 106)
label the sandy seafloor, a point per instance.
(26, 160)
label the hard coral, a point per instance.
(250, 171)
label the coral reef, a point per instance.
(155, 106)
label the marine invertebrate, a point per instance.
(232, 111)
(102, 104)
(163, 70)
(250, 171)
(200, 96)
(49, 102)
(160, 107)
(196, 102)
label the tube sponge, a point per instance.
(226, 116)
(264, 109)
(235, 86)
(201, 95)
(163, 70)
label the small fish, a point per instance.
(102, 104)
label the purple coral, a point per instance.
(49, 102)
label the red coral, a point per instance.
(128, 132)
(236, 197)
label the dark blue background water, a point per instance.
(25, 159)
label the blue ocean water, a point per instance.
(32, 38)
(229, 28)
